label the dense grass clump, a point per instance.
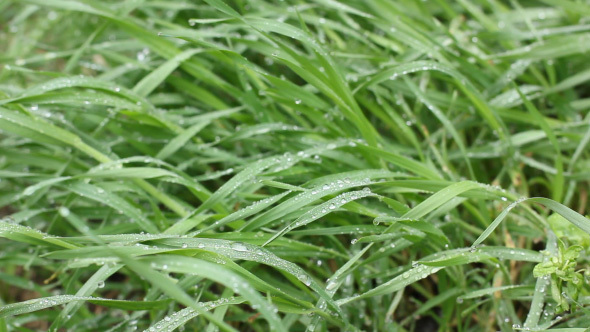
(330, 165)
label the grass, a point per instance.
(294, 166)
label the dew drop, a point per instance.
(64, 211)
(304, 279)
(331, 285)
(237, 246)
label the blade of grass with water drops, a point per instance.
(212, 271)
(305, 198)
(48, 302)
(440, 197)
(179, 318)
(395, 284)
(241, 250)
(156, 77)
(26, 234)
(322, 210)
(77, 82)
(251, 209)
(111, 199)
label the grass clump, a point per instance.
(294, 166)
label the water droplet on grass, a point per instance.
(237, 246)
(331, 285)
(64, 211)
(304, 279)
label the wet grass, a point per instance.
(294, 166)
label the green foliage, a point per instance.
(565, 230)
(566, 282)
(349, 165)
